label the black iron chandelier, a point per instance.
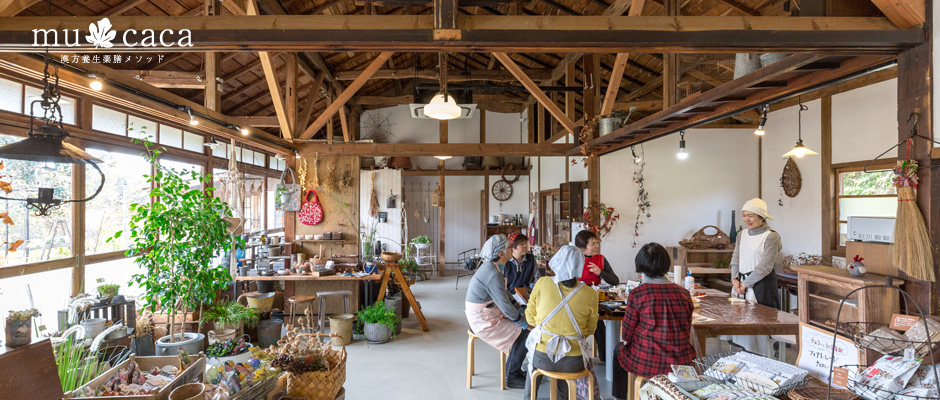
(46, 143)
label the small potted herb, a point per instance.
(379, 323)
(230, 315)
(108, 291)
(18, 327)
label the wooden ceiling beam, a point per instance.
(257, 121)
(311, 99)
(903, 13)
(737, 5)
(251, 8)
(10, 8)
(435, 149)
(849, 35)
(620, 65)
(346, 95)
(124, 7)
(170, 79)
(533, 88)
(452, 75)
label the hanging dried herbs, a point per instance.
(642, 196)
(607, 218)
(330, 184)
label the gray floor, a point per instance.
(433, 365)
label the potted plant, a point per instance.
(174, 240)
(19, 327)
(108, 291)
(421, 242)
(234, 350)
(230, 315)
(378, 322)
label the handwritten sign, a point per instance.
(903, 322)
(816, 353)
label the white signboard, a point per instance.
(816, 353)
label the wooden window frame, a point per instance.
(832, 243)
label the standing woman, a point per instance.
(491, 313)
(756, 254)
(596, 269)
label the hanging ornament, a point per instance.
(791, 180)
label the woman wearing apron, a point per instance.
(596, 269)
(756, 254)
(491, 313)
(564, 312)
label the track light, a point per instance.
(296, 154)
(192, 118)
(763, 121)
(682, 154)
(97, 84)
(244, 131)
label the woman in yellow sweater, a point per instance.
(564, 313)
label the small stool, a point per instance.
(322, 296)
(470, 362)
(294, 300)
(637, 382)
(569, 377)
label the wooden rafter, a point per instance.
(435, 149)
(452, 75)
(124, 7)
(9, 8)
(251, 8)
(535, 91)
(903, 13)
(636, 9)
(346, 95)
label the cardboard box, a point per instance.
(196, 373)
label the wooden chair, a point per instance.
(569, 377)
(637, 382)
(294, 300)
(470, 362)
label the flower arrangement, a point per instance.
(607, 217)
(295, 353)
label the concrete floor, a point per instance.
(433, 364)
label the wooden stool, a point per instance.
(569, 377)
(322, 311)
(637, 382)
(294, 300)
(470, 362)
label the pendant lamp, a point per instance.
(442, 106)
(799, 151)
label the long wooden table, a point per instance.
(726, 318)
(308, 285)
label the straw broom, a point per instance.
(373, 201)
(911, 242)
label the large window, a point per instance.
(125, 184)
(275, 217)
(46, 291)
(863, 194)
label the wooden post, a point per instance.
(671, 64)
(290, 93)
(485, 198)
(213, 93)
(828, 180)
(570, 72)
(442, 225)
(590, 110)
(78, 223)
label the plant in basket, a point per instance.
(314, 369)
(379, 322)
(19, 328)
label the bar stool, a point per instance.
(322, 310)
(294, 300)
(470, 362)
(569, 377)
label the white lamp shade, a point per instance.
(439, 108)
(443, 157)
(799, 151)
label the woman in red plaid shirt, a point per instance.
(657, 324)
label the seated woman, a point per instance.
(657, 323)
(520, 267)
(564, 312)
(491, 313)
(596, 269)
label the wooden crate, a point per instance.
(195, 373)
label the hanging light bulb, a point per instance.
(296, 154)
(636, 159)
(799, 150)
(443, 157)
(442, 106)
(682, 154)
(244, 131)
(97, 84)
(763, 121)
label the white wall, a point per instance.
(864, 122)
(685, 195)
(387, 181)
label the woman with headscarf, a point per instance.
(756, 255)
(564, 312)
(491, 313)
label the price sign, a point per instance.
(903, 322)
(816, 353)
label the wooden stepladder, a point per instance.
(400, 278)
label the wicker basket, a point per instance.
(701, 240)
(320, 385)
(819, 393)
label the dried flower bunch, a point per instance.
(298, 353)
(144, 324)
(586, 135)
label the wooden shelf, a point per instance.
(341, 242)
(459, 172)
(708, 271)
(829, 297)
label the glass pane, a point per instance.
(184, 170)
(11, 97)
(171, 136)
(861, 183)
(259, 159)
(275, 217)
(117, 272)
(843, 233)
(108, 120)
(867, 207)
(247, 156)
(67, 104)
(221, 151)
(193, 142)
(254, 202)
(140, 128)
(125, 183)
(50, 291)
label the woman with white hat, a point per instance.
(756, 254)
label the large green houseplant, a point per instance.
(174, 238)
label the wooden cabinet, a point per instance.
(702, 262)
(571, 203)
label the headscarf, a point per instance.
(512, 238)
(494, 245)
(567, 263)
(757, 206)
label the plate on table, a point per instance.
(698, 295)
(612, 304)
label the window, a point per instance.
(193, 142)
(108, 120)
(11, 96)
(275, 217)
(116, 272)
(184, 170)
(142, 128)
(46, 291)
(125, 183)
(863, 194)
(254, 202)
(171, 136)
(67, 104)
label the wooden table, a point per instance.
(292, 277)
(728, 318)
(310, 284)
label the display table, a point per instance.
(308, 285)
(719, 317)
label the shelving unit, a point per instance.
(504, 229)
(701, 262)
(572, 200)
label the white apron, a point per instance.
(558, 346)
(749, 256)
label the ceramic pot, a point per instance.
(377, 333)
(192, 343)
(236, 359)
(18, 332)
(393, 303)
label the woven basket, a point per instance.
(819, 393)
(701, 240)
(320, 385)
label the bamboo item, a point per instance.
(374, 200)
(911, 242)
(302, 174)
(315, 182)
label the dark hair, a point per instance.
(652, 260)
(570, 282)
(520, 239)
(582, 238)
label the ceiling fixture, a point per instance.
(763, 120)
(799, 151)
(442, 158)
(296, 154)
(46, 144)
(442, 106)
(212, 144)
(244, 131)
(96, 84)
(682, 154)
(192, 118)
(636, 158)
